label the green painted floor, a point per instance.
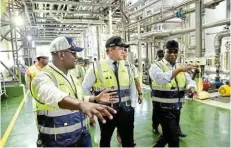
(205, 125)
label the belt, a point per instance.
(116, 105)
(175, 106)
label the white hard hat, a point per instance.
(63, 43)
(42, 54)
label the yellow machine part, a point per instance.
(224, 90)
(203, 95)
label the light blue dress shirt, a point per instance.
(90, 79)
(161, 77)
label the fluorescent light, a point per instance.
(18, 21)
(29, 38)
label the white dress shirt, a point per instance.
(90, 79)
(157, 74)
(134, 71)
(48, 93)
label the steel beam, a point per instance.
(62, 31)
(74, 3)
(58, 27)
(69, 12)
(74, 23)
(4, 36)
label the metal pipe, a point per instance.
(217, 45)
(139, 51)
(208, 4)
(198, 26)
(227, 8)
(142, 8)
(166, 33)
(98, 40)
(174, 7)
(110, 22)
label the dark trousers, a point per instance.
(169, 120)
(124, 121)
(155, 119)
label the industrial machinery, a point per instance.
(224, 90)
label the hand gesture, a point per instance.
(188, 68)
(93, 109)
(107, 96)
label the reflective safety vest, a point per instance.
(32, 71)
(170, 95)
(106, 79)
(60, 127)
(78, 72)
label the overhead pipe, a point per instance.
(166, 33)
(217, 45)
(142, 8)
(173, 7)
(208, 4)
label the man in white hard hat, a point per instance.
(42, 61)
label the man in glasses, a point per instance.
(169, 83)
(61, 107)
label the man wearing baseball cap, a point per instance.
(169, 83)
(113, 74)
(61, 107)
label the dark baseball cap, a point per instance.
(172, 45)
(115, 41)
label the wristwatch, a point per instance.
(95, 99)
(140, 94)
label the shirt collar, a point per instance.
(110, 61)
(167, 63)
(57, 69)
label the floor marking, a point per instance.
(12, 122)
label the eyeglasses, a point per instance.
(70, 51)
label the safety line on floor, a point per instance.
(12, 122)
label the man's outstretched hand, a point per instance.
(98, 110)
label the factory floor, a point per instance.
(205, 124)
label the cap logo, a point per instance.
(112, 44)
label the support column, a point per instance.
(98, 41)
(149, 56)
(110, 22)
(85, 44)
(198, 20)
(139, 52)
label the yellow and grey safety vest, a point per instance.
(59, 127)
(32, 71)
(170, 94)
(78, 72)
(106, 79)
